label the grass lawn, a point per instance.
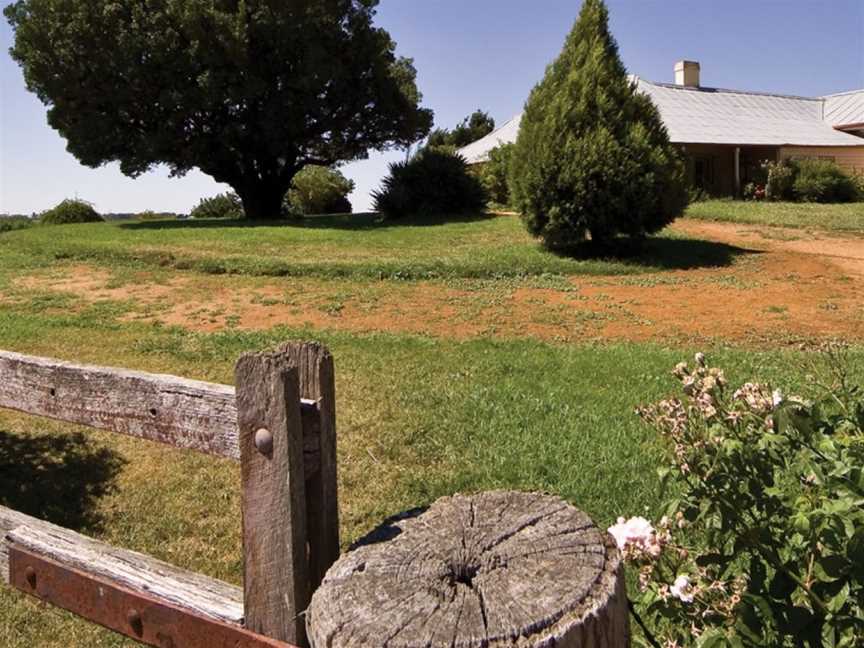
(842, 218)
(356, 246)
(418, 418)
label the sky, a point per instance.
(474, 54)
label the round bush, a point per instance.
(593, 156)
(432, 183)
(225, 205)
(319, 190)
(70, 211)
(822, 181)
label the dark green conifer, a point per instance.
(593, 156)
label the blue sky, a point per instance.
(480, 54)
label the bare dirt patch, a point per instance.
(792, 285)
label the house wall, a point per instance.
(721, 160)
(849, 158)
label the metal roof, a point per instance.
(845, 108)
(718, 116)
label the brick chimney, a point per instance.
(687, 74)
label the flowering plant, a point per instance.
(762, 543)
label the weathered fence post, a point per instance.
(276, 575)
(317, 383)
(494, 569)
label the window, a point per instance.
(703, 171)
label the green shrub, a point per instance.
(762, 543)
(225, 205)
(779, 177)
(593, 156)
(495, 174)
(10, 223)
(70, 211)
(858, 181)
(433, 182)
(319, 190)
(822, 181)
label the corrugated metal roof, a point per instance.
(478, 151)
(717, 116)
(845, 108)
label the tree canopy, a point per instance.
(478, 124)
(593, 156)
(247, 91)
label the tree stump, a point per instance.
(489, 570)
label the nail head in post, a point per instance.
(133, 617)
(30, 575)
(264, 441)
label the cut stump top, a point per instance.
(492, 569)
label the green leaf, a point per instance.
(837, 602)
(713, 638)
(855, 554)
(830, 568)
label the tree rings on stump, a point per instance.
(488, 570)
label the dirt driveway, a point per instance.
(786, 286)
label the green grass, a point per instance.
(358, 246)
(418, 418)
(841, 218)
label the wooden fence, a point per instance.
(279, 422)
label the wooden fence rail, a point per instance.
(279, 423)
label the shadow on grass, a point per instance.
(661, 252)
(56, 478)
(351, 222)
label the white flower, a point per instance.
(682, 589)
(636, 537)
(700, 359)
(777, 398)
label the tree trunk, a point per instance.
(262, 200)
(490, 570)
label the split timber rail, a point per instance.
(279, 423)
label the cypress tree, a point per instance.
(593, 156)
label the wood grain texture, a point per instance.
(138, 572)
(176, 411)
(492, 570)
(317, 383)
(276, 579)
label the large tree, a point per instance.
(593, 156)
(247, 91)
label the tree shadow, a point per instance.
(57, 478)
(662, 253)
(351, 222)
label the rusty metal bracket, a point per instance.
(143, 618)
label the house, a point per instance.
(725, 134)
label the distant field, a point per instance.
(844, 218)
(358, 246)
